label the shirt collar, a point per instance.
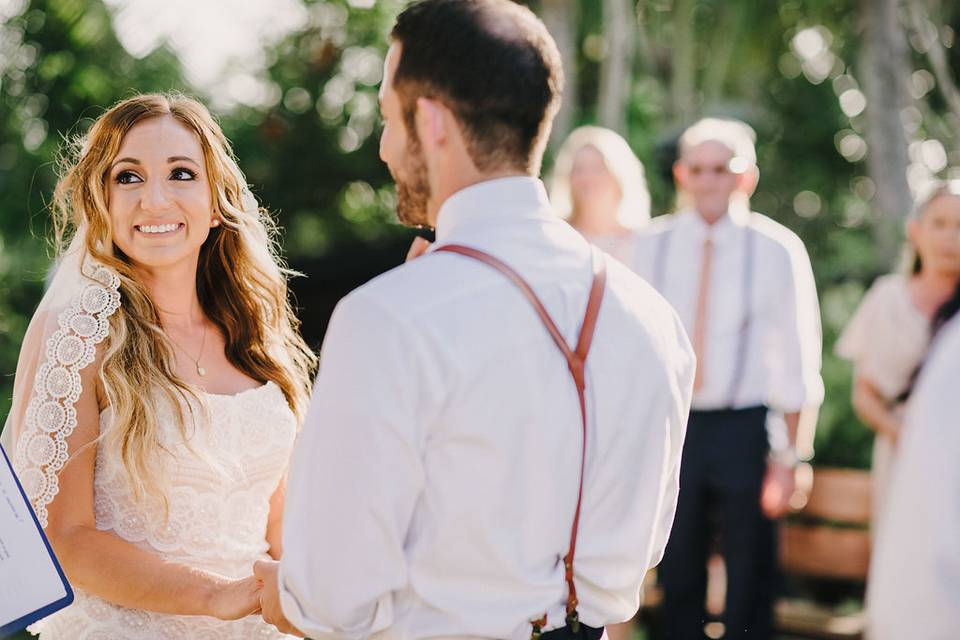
(728, 225)
(515, 196)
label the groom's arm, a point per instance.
(356, 475)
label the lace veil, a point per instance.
(72, 318)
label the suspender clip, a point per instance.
(537, 627)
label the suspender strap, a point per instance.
(576, 361)
(744, 342)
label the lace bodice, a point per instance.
(218, 488)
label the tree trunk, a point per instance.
(561, 17)
(929, 35)
(683, 72)
(725, 39)
(884, 74)
(616, 74)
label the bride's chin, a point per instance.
(159, 261)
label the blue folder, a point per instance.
(8, 628)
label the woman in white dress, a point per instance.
(889, 334)
(599, 186)
(160, 384)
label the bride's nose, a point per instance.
(154, 196)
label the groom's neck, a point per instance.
(453, 182)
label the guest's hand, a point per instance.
(235, 599)
(266, 573)
(779, 484)
(417, 248)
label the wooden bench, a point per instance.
(828, 539)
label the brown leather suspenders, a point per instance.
(576, 361)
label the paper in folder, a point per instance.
(32, 584)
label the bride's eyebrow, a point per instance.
(122, 160)
(173, 159)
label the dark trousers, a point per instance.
(721, 476)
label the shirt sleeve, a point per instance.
(797, 336)
(355, 478)
(681, 395)
(866, 341)
(851, 345)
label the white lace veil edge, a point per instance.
(72, 318)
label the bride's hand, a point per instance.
(235, 599)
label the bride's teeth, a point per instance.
(162, 228)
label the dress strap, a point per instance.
(576, 362)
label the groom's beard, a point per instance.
(413, 188)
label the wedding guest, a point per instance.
(888, 336)
(599, 186)
(913, 590)
(160, 383)
(744, 289)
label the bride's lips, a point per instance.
(159, 230)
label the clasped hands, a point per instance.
(258, 593)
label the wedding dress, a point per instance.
(212, 508)
(218, 502)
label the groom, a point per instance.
(442, 485)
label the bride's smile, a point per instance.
(159, 194)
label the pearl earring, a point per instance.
(215, 222)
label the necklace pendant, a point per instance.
(201, 371)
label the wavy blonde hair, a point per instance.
(241, 282)
(622, 163)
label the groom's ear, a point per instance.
(432, 122)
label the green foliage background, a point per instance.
(312, 154)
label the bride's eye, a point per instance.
(127, 177)
(181, 173)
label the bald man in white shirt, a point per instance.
(464, 470)
(743, 287)
(913, 590)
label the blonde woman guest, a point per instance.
(600, 187)
(160, 383)
(888, 336)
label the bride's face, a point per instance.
(159, 194)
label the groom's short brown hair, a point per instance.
(493, 64)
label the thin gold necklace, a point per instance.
(196, 361)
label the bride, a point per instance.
(160, 383)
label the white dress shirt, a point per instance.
(914, 585)
(783, 348)
(433, 486)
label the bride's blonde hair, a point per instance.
(241, 282)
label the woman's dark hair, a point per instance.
(943, 315)
(493, 64)
(946, 311)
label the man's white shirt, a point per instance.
(434, 481)
(783, 347)
(914, 583)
